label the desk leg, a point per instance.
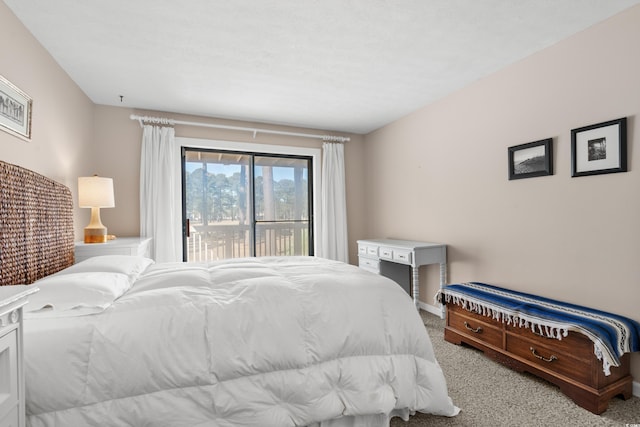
(443, 280)
(415, 282)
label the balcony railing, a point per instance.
(223, 241)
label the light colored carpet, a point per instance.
(490, 394)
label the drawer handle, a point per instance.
(475, 330)
(550, 359)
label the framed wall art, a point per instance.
(532, 159)
(15, 110)
(599, 148)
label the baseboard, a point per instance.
(431, 309)
(436, 311)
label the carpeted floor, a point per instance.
(490, 394)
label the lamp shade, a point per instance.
(95, 192)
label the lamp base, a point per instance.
(95, 235)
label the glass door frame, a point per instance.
(266, 149)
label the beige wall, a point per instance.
(441, 175)
(62, 121)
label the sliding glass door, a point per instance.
(239, 204)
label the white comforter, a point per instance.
(250, 342)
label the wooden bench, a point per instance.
(569, 363)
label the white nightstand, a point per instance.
(12, 407)
(138, 246)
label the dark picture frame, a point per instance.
(599, 149)
(531, 159)
(15, 110)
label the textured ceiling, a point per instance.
(342, 65)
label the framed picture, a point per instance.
(600, 148)
(15, 110)
(532, 159)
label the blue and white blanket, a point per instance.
(612, 335)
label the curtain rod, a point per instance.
(171, 122)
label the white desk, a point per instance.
(387, 256)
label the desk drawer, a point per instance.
(403, 257)
(368, 250)
(386, 253)
(369, 264)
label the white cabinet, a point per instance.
(9, 394)
(400, 260)
(12, 406)
(137, 246)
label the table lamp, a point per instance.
(95, 192)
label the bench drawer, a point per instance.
(475, 329)
(550, 358)
(453, 308)
(574, 343)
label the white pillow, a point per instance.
(75, 294)
(132, 266)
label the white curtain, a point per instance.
(160, 204)
(334, 243)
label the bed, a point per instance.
(292, 341)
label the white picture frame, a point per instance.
(15, 110)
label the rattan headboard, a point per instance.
(36, 226)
